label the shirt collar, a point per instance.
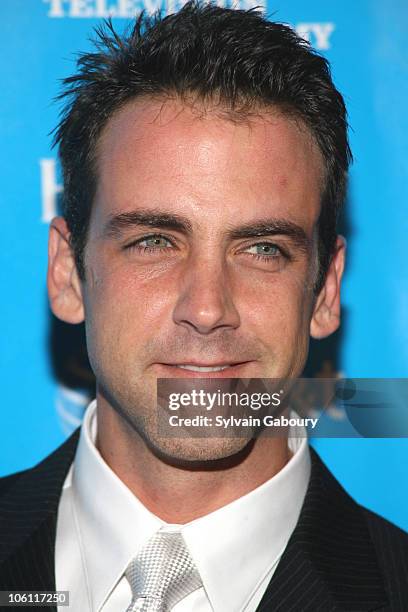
(243, 538)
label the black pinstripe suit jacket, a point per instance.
(339, 557)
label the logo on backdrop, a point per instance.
(50, 189)
(317, 33)
(124, 8)
(70, 406)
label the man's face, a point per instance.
(202, 252)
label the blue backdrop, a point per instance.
(44, 369)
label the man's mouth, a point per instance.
(194, 368)
(204, 370)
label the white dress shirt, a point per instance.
(101, 526)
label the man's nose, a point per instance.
(205, 301)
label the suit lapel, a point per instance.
(28, 518)
(330, 561)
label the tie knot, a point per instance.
(161, 574)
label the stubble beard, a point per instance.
(139, 413)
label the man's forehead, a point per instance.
(161, 153)
(177, 120)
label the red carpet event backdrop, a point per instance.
(46, 381)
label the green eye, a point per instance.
(155, 242)
(266, 249)
(150, 244)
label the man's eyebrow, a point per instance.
(117, 224)
(273, 227)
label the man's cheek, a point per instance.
(272, 302)
(124, 306)
(103, 263)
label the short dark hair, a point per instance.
(234, 56)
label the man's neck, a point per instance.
(177, 494)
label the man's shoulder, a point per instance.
(38, 486)
(390, 541)
(384, 530)
(353, 558)
(28, 515)
(52, 465)
(6, 482)
(362, 534)
(391, 548)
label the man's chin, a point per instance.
(201, 453)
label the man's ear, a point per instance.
(326, 312)
(64, 286)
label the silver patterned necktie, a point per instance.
(161, 574)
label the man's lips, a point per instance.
(190, 369)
